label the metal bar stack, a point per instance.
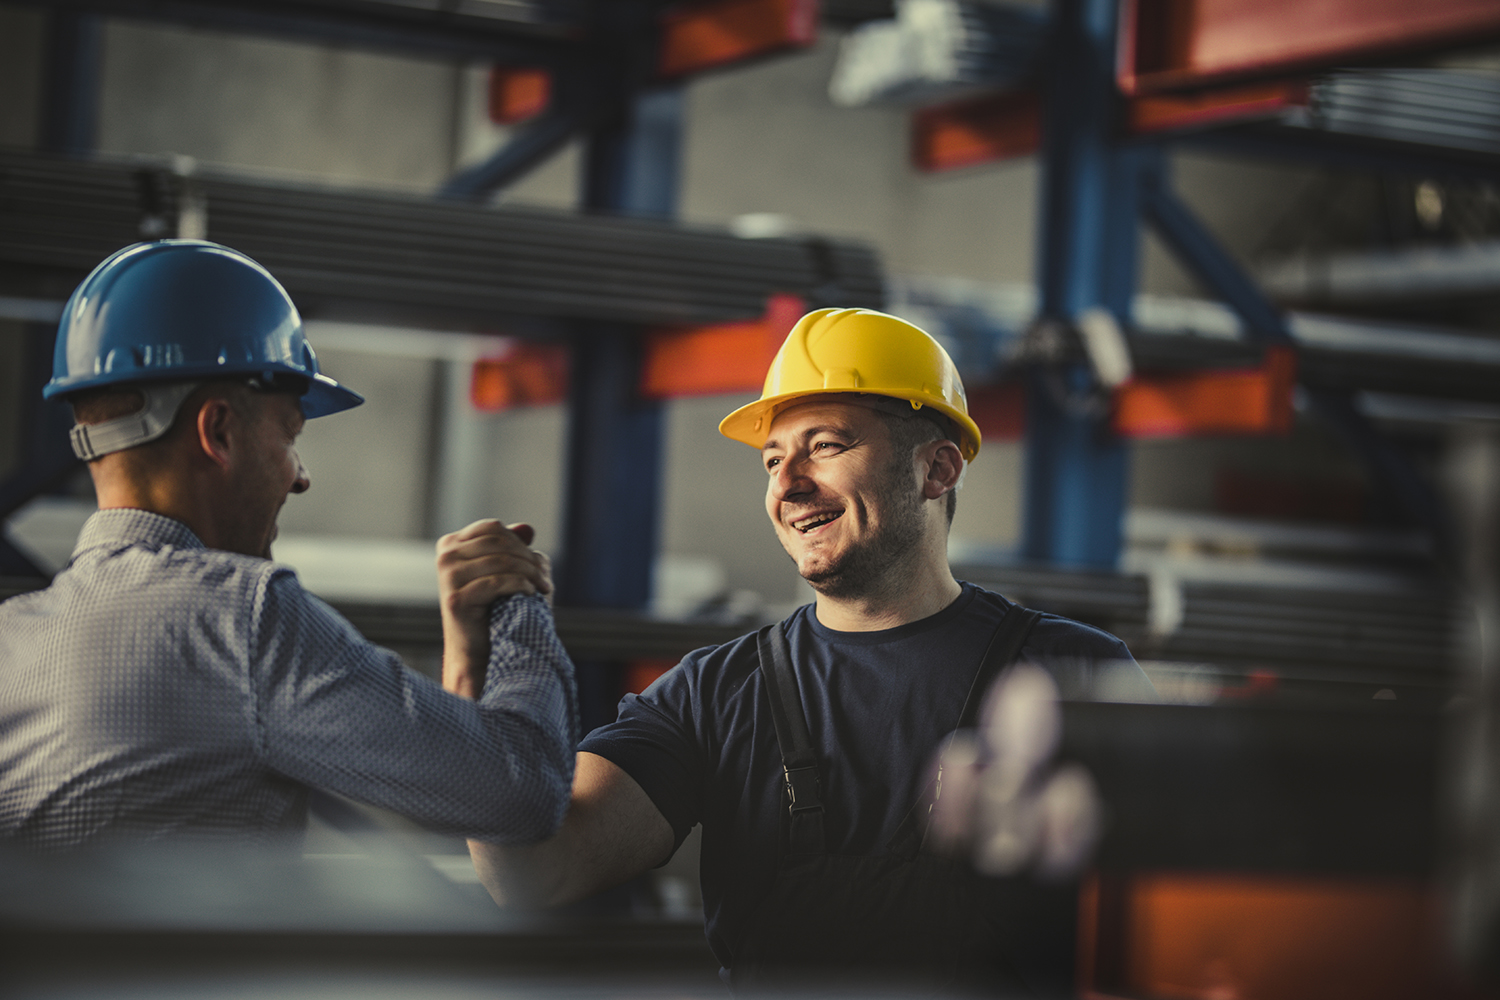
(418, 260)
(1448, 108)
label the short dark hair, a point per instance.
(908, 433)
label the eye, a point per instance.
(772, 463)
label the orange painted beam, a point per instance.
(705, 35)
(518, 93)
(1004, 126)
(1230, 401)
(976, 130)
(723, 358)
(524, 374)
(1173, 112)
(641, 674)
(1187, 44)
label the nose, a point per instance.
(789, 481)
(303, 482)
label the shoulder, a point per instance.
(709, 676)
(1053, 635)
(1087, 662)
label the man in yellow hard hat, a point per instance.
(804, 750)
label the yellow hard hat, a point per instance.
(857, 350)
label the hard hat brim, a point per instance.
(325, 396)
(751, 423)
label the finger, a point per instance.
(453, 547)
(486, 591)
(523, 531)
(462, 575)
(544, 562)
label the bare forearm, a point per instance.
(466, 652)
(526, 876)
(612, 833)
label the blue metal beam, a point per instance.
(69, 123)
(532, 144)
(612, 498)
(1197, 249)
(1076, 469)
(46, 459)
(70, 88)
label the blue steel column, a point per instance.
(68, 123)
(614, 437)
(1076, 469)
(70, 85)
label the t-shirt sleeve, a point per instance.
(1088, 663)
(657, 741)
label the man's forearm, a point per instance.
(612, 832)
(523, 876)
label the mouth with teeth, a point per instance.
(812, 522)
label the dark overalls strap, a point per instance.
(798, 761)
(1005, 645)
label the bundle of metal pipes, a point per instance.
(363, 255)
(1409, 642)
(1410, 639)
(1449, 108)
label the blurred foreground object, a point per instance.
(378, 918)
(1474, 467)
(999, 798)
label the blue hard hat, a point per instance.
(180, 310)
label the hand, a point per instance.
(476, 566)
(999, 797)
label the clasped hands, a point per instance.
(477, 566)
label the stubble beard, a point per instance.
(873, 568)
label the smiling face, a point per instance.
(847, 508)
(271, 470)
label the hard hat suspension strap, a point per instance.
(150, 422)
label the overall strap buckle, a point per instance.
(802, 786)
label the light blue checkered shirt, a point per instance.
(160, 688)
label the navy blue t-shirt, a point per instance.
(701, 742)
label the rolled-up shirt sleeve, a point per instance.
(331, 710)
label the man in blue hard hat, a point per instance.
(173, 681)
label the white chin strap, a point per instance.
(146, 424)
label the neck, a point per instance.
(122, 483)
(909, 593)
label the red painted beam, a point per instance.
(725, 357)
(1003, 126)
(522, 374)
(518, 93)
(976, 130)
(700, 36)
(1185, 44)
(1229, 401)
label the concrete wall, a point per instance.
(20, 74)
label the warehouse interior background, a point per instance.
(760, 143)
(1302, 539)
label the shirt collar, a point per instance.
(125, 524)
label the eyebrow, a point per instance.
(813, 431)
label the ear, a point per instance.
(945, 466)
(217, 428)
